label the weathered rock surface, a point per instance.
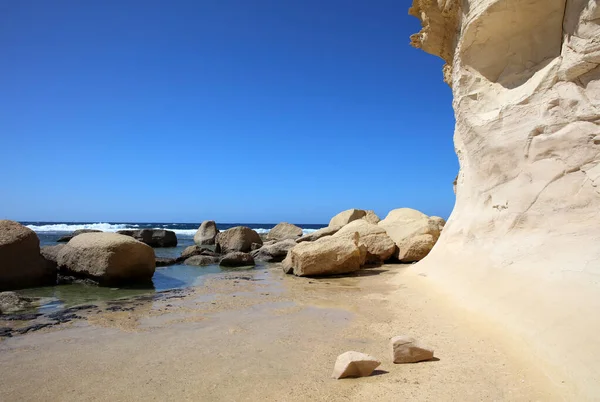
(316, 235)
(11, 302)
(206, 234)
(191, 251)
(108, 258)
(237, 259)
(326, 256)
(371, 217)
(527, 195)
(50, 254)
(354, 364)
(407, 228)
(274, 252)
(21, 264)
(283, 231)
(153, 237)
(345, 217)
(239, 238)
(66, 238)
(202, 260)
(408, 350)
(165, 262)
(379, 246)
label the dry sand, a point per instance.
(262, 335)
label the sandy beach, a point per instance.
(261, 335)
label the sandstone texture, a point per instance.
(153, 237)
(202, 260)
(408, 350)
(109, 258)
(354, 364)
(345, 217)
(21, 264)
(522, 242)
(371, 217)
(414, 233)
(283, 231)
(206, 233)
(237, 259)
(316, 235)
(379, 246)
(326, 256)
(274, 252)
(239, 238)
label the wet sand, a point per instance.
(262, 335)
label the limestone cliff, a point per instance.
(523, 242)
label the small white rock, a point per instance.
(354, 364)
(408, 350)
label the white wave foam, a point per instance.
(62, 227)
(107, 227)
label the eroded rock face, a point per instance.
(525, 76)
(327, 256)
(275, 252)
(21, 264)
(378, 244)
(108, 258)
(239, 238)
(283, 231)
(414, 233)
(206, 233)
(345, 217)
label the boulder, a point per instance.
(372, 217)
(408, 350)
(153, 237)
(165, 262)
(21, 264)
(323, 232)
(202, 260)
(255, 246)
(206, 234)
(108, 258)
(239, 238)
(345, 217)
(406, 228)
(283, 231)
(50, 255)
(441, 222)
(354, 364)
(274, 252)
(326, 256)
(11, 302)
(379, 246)
(66, 238)
(195, 250)
(237, 259)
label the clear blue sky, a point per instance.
(233, 110)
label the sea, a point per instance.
(165, 278)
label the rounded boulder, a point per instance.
(108, 258)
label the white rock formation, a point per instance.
(523, 242)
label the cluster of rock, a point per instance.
(404, 349)
(105, 258)
(355, 238)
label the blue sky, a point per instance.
(233, 110)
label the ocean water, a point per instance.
(165, 278)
